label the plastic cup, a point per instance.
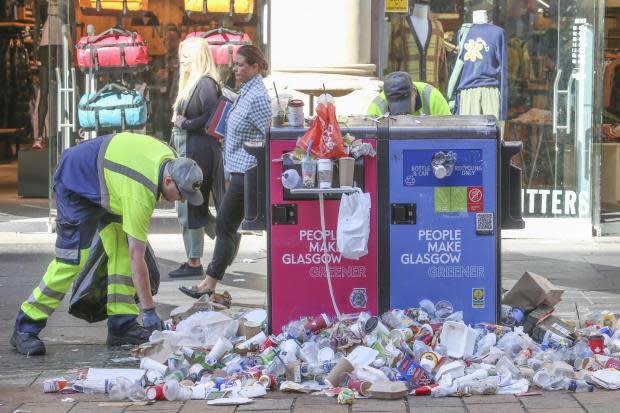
(308, 173)
(325, 172)
(325, 354)
(309, 352)
(288, 353)
(346, 167)
(257, 339)
(359, 386)
(221, 347)
(175, 391)
(148, 363)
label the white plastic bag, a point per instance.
(353, 225)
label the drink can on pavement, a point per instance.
(54, 385)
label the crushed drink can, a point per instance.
(597, 343)
(155, 392)
(271, 341)
(54, 385)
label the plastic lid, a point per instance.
(371, 324)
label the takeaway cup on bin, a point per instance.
(346, 167)
(308, 173)
(325, 171)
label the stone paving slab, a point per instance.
(200, 406)
(421, 401)
(437, 410)
(266, 404)
(495, 408)
(490, 399)
(47, 407)
(374, 405)
(552, 400)
(603, 408)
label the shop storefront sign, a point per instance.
(396, 6)
(555, 202)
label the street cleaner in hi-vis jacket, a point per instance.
(111, 184)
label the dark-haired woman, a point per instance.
(247, 121)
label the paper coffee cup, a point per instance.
(148, 363)
(257, 339)
(337, 374)
(221, 347)
(251, 328)
(346, 168)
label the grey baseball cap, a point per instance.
(397, 87)
(188, 176)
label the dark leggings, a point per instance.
(229, 218)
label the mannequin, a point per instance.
(50, 53)
(420, 22)
(480, 17)
(483, 80)
(417, 46)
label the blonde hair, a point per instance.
(201, 65)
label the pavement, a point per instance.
(589, 271)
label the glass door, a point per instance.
(575, 114)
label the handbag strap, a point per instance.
(112, 31)
(107, 88)
(456, 73)
(191, 94)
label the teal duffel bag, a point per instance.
(113, 107)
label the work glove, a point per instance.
(151, 320)
(178, 121)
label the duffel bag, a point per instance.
(114, 49)
(223, 43)
(114, 106)
(230, 7)
(100, 7)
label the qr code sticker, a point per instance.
(484, 223)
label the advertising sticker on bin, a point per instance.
(417, 169)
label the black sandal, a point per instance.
(194, 293)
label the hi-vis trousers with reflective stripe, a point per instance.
(60, 275)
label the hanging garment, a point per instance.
(485, 63)
(424, 64)
(518, 60)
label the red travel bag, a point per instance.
(223, 43)
(115, 49)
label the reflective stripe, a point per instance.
(67, 254)
(49, 292)
(39, 306)
(121, 298)
(130, 173)
(381, 104)
(426, 99)
(120, 279)
(103, 189)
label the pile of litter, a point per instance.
(427, 350)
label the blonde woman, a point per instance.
(194, 104)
